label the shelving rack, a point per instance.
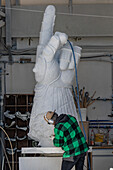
(17, 103)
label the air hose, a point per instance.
(77, 98)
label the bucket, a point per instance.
(83, 114)
(99, 137)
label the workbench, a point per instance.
(42, 158)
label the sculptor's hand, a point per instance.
(52, 137)
(54, 58)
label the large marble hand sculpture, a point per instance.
(54, 74)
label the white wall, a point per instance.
(20, 78)
(96, 76)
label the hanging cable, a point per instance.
(5, 154)
(10, 145)
(78, 96)
(77, 89)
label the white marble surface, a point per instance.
(40, 163)
(44, 162)
(34, 150)
(46, 150)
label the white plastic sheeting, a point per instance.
(54, 73)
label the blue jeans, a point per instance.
(77, 161)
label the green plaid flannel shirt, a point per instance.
(69, 136)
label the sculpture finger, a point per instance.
(65, 57)
(47, 25)
(77, 52)
(63, 38)
(55, 43)
(68, 65)
(72, 64)
(67, 77)
(46, 29)
(51, 48)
